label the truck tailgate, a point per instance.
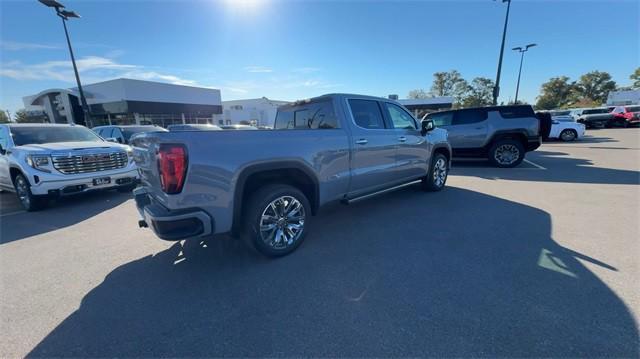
(145, 149)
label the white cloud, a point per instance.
(17, 46)
(91, 68)
(258, 69)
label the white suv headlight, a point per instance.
(40, 163)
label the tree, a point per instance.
(555, 93)
(449, 84)
(479, 93)
(21, 116)
(635, 76)
(3, 117)
(417, 93)
(594, 86)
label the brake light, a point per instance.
(172, 166)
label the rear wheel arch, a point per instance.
(257, 176)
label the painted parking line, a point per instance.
(534, 164)
(12, 213)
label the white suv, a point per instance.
(40, 161)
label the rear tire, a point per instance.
(29, 201)
(506, 153)
(435, 180)
(276, 219)
(568, 135)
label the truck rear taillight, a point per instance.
(172, 167)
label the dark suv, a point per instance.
(503, 134)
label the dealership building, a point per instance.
(127, 102)
(136, 102)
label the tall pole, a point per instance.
(496, 89)
(519, 73)
(83, 100)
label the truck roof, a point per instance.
(340, 95)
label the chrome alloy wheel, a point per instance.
(282, 222)
(22, 190)
(440, 172)
(506, 154)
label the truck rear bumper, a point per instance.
(171, 225)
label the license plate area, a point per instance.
(101, 181)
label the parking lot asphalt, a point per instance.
(540, 260)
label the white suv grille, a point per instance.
(90, 162)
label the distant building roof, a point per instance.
(445, 100)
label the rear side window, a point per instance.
(367, 114)
(465, 117)
(516, 111)
(314, 115)
(399, 117)
(442, 118)
(633, 108)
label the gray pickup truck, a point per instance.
(265, 185)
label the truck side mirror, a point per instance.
(2, 150)
(427, 125)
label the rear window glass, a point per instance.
(516, 111)
(314, 115)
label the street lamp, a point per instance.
(522, 51)
(496, 88)
(65, 15)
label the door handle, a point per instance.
(362, 141)
(402, 139)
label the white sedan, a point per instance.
(566, 129)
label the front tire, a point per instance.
(506, 153)
(438, 173)
(29, 201)
(568, 135)
(276, 219)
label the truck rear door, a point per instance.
(373, 163)
(413, 152)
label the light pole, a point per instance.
(522, 51)
(65, 15)
(496, 88)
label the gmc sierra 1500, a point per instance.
(266, 185)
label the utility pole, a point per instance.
(496, 88)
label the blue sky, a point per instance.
(289, 50)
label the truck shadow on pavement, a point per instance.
(559, 168)
(62, 213)
(404, 274)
